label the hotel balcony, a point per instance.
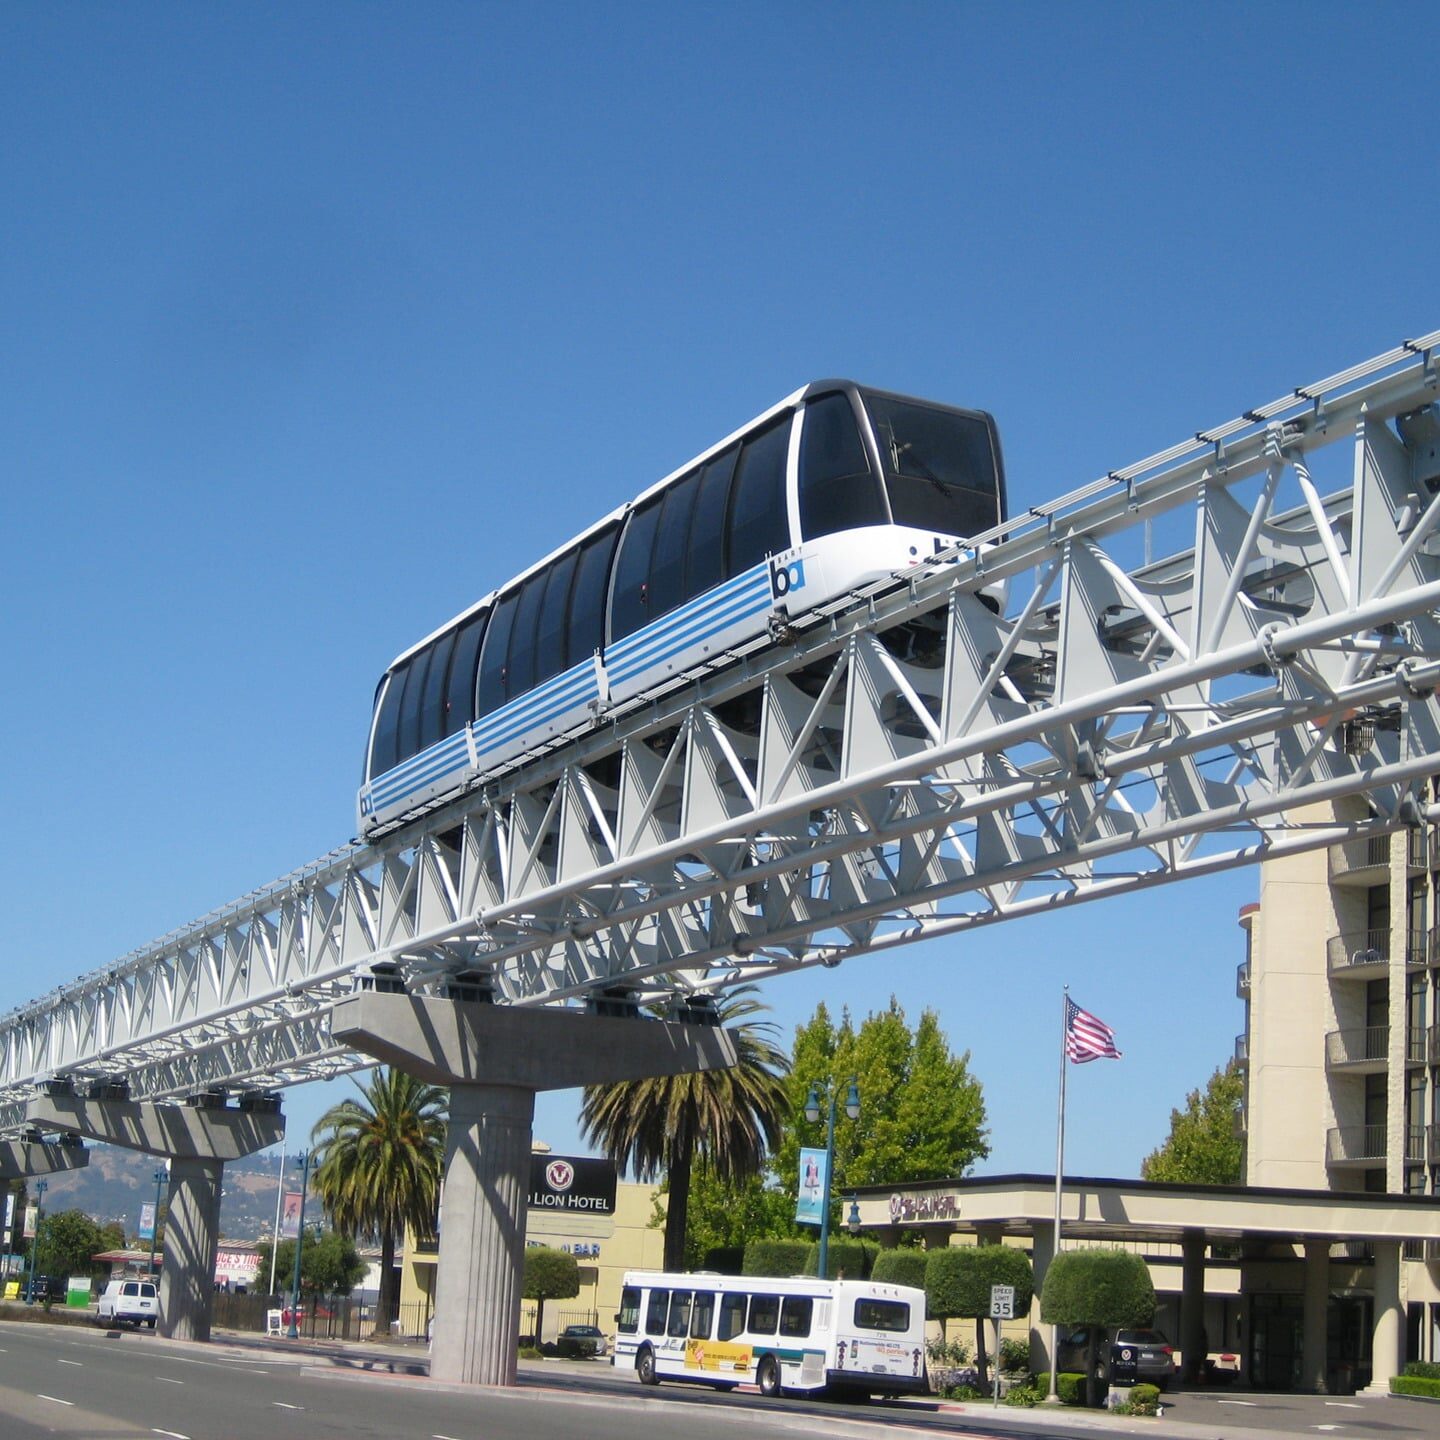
(1242, 1049)
(1363, 1050)
(1367, 860)
(1432, 1048)
(1242, 979)
(1359, 1145)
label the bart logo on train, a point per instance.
(785, 578)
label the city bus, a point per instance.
(798, 1335)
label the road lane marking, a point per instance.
(1248, 1404)
(78, 1363)
(166, 1380)
(55, 1398)
(173, 1434)
(1344, 1405)
(284, 1406)
(442, 1437)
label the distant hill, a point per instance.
(117, 1182)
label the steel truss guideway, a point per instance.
(1044, 716)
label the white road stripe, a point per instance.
(77, 1363)
(166, 1380)
(173, 1434)
(55, 1398)
(1344, 1405)
(1248, 1404)
(284, 1406)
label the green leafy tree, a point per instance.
(1203, 1148)
(329, 1264)
(728, 1214)
(69, 1241)
(922, 1114)
(549, 1275)
(1101, 1289)
(958, 1281)
(377, 1166)
(726, 1119)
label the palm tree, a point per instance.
(728, 1118)
(378, 1163)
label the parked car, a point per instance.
(129, 1302)
(582, 1340)
(1154, 1358)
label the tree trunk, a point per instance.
(1092, 1350)
(980, 1349)
(385, 1303)
(682, 1152)
(539, 1321)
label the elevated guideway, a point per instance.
(1046, 716)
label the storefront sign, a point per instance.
(563, 1182)
(904, 1208)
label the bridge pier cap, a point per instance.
(20, 1159)
(465, 1042)
(173, 1132)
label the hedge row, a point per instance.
(1415, 1385)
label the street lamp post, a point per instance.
(40, 1188)
(812, 1114)
(160, 1178)
(293, 1333)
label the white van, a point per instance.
(129, 1302)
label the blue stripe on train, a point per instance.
(670, 639)
(720, 595)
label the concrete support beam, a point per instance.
(1317, 1306)
(20, 1159)
(494, 1058)
(1042, 1252)
(1389, 1333)
(1192, 1304)
(197, 1141)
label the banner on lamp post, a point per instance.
(814, 1181)
(32, 1214)
(290, 1216)
(147, 1220)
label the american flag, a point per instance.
(1087, 1038)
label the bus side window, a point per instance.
(764, 1314)
(629, 593)
(758, 523)
(627, 1322)
(655, 1312)
(795, 1315)
(703, 1315)
(838, 491)
(705, 555)
(732, 1316)
(679, 1315)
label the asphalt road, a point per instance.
(98, 1385)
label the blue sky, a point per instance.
(321, 320)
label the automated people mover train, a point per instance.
(834, 487)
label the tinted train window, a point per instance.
(387, 724)
(520, 667)
(586, 630)
(732, 1316)
(409, 741)
(628, 595)
(667, 554)
(432, 704)
(940, 468)
(550, 634)
(460, 688)
(838, 491)
(705, 554)
(490, 687)
(758, 524)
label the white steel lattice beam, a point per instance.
(1044, 717)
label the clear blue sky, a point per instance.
(321, 320)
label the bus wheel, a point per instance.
(645, 1367)
(767, 1377)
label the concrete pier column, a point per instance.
(1192, 1304)
(482, 1234)
(1042, 1252)
(1389, 1332)
(1317, 1305)
(192, 1241)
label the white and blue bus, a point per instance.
(836, 486)
(799, 1335)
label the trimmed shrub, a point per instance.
(958, 1280)
(1103, 1289)
(900, 1267)
(1415, 1385)
(1423, 1369)
(1014, 1357)
(1022, 1397)
(1145, 1400)
(850, 1257)
(775, 1257)
(1070, 1387)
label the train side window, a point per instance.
(490, 686)
(732, 1316)
(667, 554)
(586, 628)
(550, 632)
(838, 490)
(432, 704)
(520, 667)
(705, 554)
(409, 741)
(460, 686)
(629, 608)
(758, 522)
(387, 724)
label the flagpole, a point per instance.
(1054, 1395)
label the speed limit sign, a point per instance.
(1002, 1302)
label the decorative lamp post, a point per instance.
(160, 1178)
(293, 1333)
(852, 1217)
(812, 1114)
(40, 1188)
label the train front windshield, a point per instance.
(942, 467)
